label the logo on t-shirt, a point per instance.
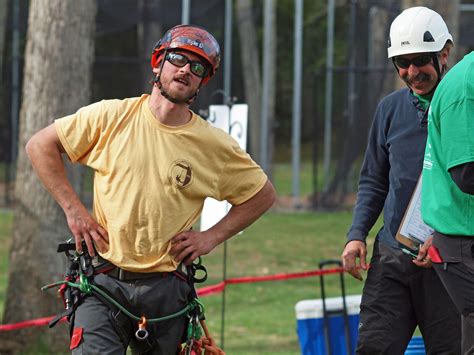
(427, 161)
(181, 173)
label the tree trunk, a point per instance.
(336, 191)
(3, 27)
(380, 29)
(148, 34)
(251, 69)
(58, 57)
(272, 92)
(4, 122)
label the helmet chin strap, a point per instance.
(439, 72)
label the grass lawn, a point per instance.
(283, 179)
(260, 317)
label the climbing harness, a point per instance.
(77, 284)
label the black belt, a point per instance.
(102, 266)
(124, 275)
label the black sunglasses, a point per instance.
(418, 61)
(180, 60)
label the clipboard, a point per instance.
(412, 230)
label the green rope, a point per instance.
(84, 284)
(88, 288)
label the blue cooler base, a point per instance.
(313, 340)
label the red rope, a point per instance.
(213, 289)
(203, 291)
(27, 324)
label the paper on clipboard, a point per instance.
(413, 231)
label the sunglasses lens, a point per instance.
(179, 60)
(422, 60)
(419, 61)
(402, 62)
(198, 69)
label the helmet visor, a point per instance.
(187, 42)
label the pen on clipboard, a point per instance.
(409, 252)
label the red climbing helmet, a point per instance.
(191, 38)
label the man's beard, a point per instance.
(176, 99)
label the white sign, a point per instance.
(233, 121)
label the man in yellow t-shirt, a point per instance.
(154, 163)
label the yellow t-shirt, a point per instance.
(150, 179)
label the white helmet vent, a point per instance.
(427, 37)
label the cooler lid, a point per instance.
(307, 309)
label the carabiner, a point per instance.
(141, 333)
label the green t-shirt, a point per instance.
(450, 143)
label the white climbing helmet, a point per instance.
(417, 30)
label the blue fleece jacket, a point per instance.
(392, 164)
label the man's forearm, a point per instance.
(45, 156)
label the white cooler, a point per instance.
(310, 325)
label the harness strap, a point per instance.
(67, 313)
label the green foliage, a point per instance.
(314, 63)
(314, 39)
